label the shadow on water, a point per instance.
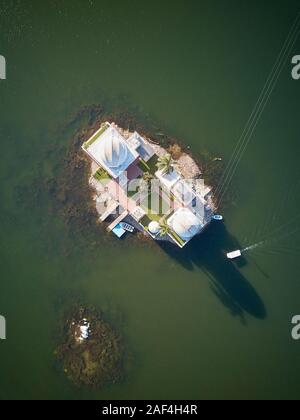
(208, 252)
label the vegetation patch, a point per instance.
(155, 200)
(102, 176)
(143, 166)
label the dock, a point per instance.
(117, 221)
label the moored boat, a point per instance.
(127, 227)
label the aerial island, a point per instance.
(140, 186)
(127, 182)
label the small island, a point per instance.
(142, 186)
(90, 351)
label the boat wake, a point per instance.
(271, 240)
(254, 246)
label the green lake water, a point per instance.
(197, 326)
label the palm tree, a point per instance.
(145, 182)
(165, 164)
(164, 228)
(147, 176)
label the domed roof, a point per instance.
(186, 224)
(154, 228)
(114, 152)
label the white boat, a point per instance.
(127, 227)
(217, 217)
(234, 254)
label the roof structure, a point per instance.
(185, 223)
(183, 191)
(112, 152)
(168, 180)
(137, 142)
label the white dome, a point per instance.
(154, 228)
(186, 224)
(114, 152)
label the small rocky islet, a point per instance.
(90, 351)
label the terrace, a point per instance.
(150, 165)
(102, 176)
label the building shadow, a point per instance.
(208, 252)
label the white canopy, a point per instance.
(112, 152)
(185, 223)
(154, 227)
